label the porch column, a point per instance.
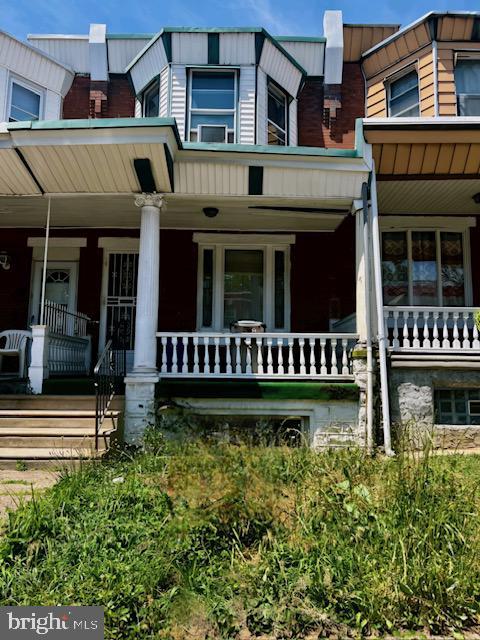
(140, 384)
(145, 355)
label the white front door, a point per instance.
(60, 287)
(119, 298)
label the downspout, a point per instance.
(435, 77)
(368, 316)
(45, 262)
(382, 346)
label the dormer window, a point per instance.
(212, 100)
(403, 96)
(467, 85)
(151, 100)
(277, 115)
(25, 101)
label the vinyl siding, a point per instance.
(190, 48)
(310, 55)
(122, 52)
(149, 65)
(52, 106)
(247, 105)
(71, 51)
(292, 124)
(278, 67)
(211, 178)
(178, 105)
(237, 48)
(164, 78)
(262, 104)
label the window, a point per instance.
(467, 85)
(25, 102)
(151, 100)
(403, 96)
(423, 268)
(457, 406)
(277, 116)
(243, 281)
(213, 99)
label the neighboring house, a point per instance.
(195, 178)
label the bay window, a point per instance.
(212, 105)
(467, 86)
(403, 95)
(424, 268)
(25, 101)
(277, 115)
(240, 278)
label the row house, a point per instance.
(240, 225)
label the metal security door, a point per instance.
(120, 302)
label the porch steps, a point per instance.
(53, 427)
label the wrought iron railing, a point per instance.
(108, 379)
(63, 322)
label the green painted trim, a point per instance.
(272, 150)
(213, 48)
(342, 391)
(213, 29)
(299, 39)
(129, 36)
(167, 45)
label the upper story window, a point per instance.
(467, 85)
(403, 96)
(25, 101)
(212, 106)
(277, 115)
(151, 100)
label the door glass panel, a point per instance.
(424, 268)
(243, 285)
(453, 276)
(395, 267)
(121, 298)
(57, 286)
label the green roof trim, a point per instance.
(299, 39)
(129, 36)
(213, 29)
(92, 123)
(145, 49)
(305, 390)
(270, 149)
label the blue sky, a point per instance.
(280, 17)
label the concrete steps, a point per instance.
(53, 427)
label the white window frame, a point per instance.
(398, 76)
(461, 56)
(13, 79)
(235, 72)
(466, 261)
(149, 90)
(275, 89)
(219, 243)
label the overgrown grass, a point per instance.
(212, 540)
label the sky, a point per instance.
(279, 17)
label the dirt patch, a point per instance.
(18, 486)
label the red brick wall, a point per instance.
(120, 102)
(315, 128)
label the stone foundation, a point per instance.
(139, 406)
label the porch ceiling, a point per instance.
(235, 213)
(452, 197)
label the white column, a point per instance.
(38, 369)
(145, 356)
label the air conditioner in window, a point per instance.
(212, 133)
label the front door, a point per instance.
(60, 287)
(119, 299)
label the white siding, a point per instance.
(247, 105)
(52, 106)
(262, 105)
(3, 94)
(308, 54)
(211, 178)
(313, 183)
(122, 52)
(237, 48)
(189, 48)
(179, 97)
(292, 124)
(164, 76)
(148, 66)
(72, 51)
(278, 67)
(31, 65)
(138, 108)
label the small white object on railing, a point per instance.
(432, 328)
(274, 355)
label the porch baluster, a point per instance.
(269, 356)
(228, 355)
(206, 355)
(248, 344)
(196, 364)
(334, 369)
(466, 336)
(323, 359)
(416, 341)
(445, 341)
(456, 341)
(238, 360)
(216, 368)
(281, 370)
(396, 342)
(436, 341)
(164, 367)
(291, 369)
(345, 370)
(313, 369)
(301, 344)
(259, 355)
(406, 337)
(174, 355)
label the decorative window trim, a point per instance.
(398, 76)
(235, 71)
(26, 84)
(219, 243)
(467, 268)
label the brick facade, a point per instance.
(315, 126)
(88, 99)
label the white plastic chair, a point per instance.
(15, 345)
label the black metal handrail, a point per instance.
(108, 377)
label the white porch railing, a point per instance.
(69, 346)
(431, 328)
(256, 355)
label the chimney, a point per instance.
(97, 48)
(333, 62)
